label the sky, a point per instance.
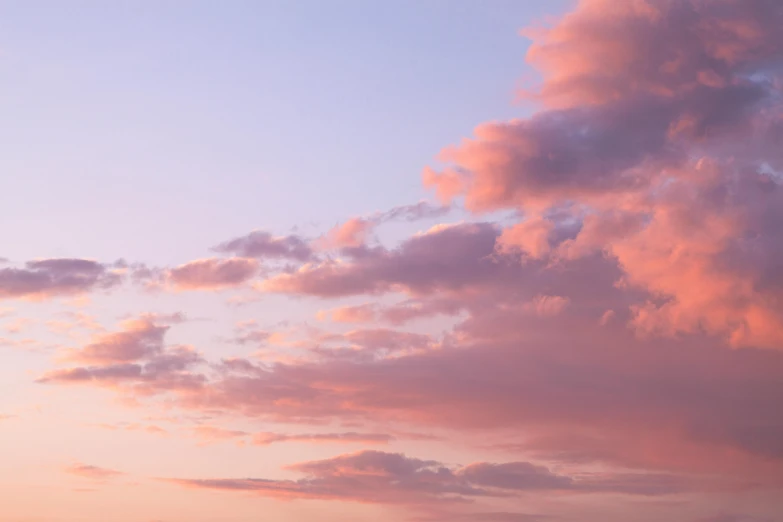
(443, 261)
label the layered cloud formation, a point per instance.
(620, 336)
(660, 147)
(379, 477)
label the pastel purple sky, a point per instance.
(433, 261)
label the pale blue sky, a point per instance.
(153, 130)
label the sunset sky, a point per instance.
(409, 261)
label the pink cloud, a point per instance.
(207, 434)
(492, 516)
(365, 313)
(18, 325)
(728, 409)
(352, 233)
(213, 273)
(659, 156)
(137, 338)
(531, 236)
(253, 336)
(446, 257)
(600, 53)
(92, 472)
(167, 371)
(415, 212)
(548, 305)
(695, 405)
(393, 478)
(734, 518)
(49, 278)
(355, 231)
(263, 245)
(661, 404)
(132, 426)
(601, 396)
(134, 359)
(213, 434)
(372, 343)
(413, 309)
(264, 439)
